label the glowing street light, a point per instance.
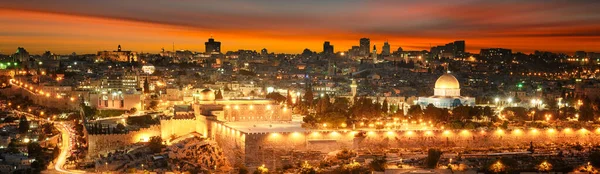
(497, 167)
(544, 166)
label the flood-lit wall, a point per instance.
(278, 149)
(104, 143)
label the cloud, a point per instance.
(285, 23)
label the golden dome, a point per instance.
(447, 81)
(207, 95)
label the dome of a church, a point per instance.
(207, 95)
(447, 81)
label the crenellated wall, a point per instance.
(103, 143)
(233, 141)
(50, 102)
(180, 127)
(278, 149)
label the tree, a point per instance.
(487, 111)
(586, 112)
(146, 86)
(47, 128)
(461, 112)
(55, 152)
(88, 111)
(23, 125)
(309, 121)
(9, 119)
(288, 99)
(309, 96)
(276, 96)
(142, 121)
(155, 144)
(340, 105)
(79, 129)
(218, 94)
(594, 158)
(516, 112)
(261, 170)
(415, 111)
(334, 119)
(433, 157)
(432, 113)
(243, 170)
(306, 168)
(378, 164)
(120, 128)
(153, 105)
(323, 105)
(385, 106)
(34, 150)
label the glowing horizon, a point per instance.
(67, 26)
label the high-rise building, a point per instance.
(212, 47)
(365, 46)
(327, 48)
(496, 53)
(450, 50)
(354, 52)
(374, 54)
(459, 48)
(385, 50)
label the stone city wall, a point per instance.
(180, 127)
(257, 112)
(278, 149)
(230, 140)
(104, 143)
(49, 102)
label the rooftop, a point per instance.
(267, 126)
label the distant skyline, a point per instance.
(65, 26)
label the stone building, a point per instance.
(118, 55)
(446, 94)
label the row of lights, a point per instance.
(251, 107)
(445, 133)
(36, 91)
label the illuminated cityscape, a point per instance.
(299, 87)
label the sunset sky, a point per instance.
(65, 26)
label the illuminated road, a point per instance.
(64, 149)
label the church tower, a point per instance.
(374, 54)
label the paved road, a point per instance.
(64, 149)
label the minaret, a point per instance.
(353, 87)
(119, 48)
